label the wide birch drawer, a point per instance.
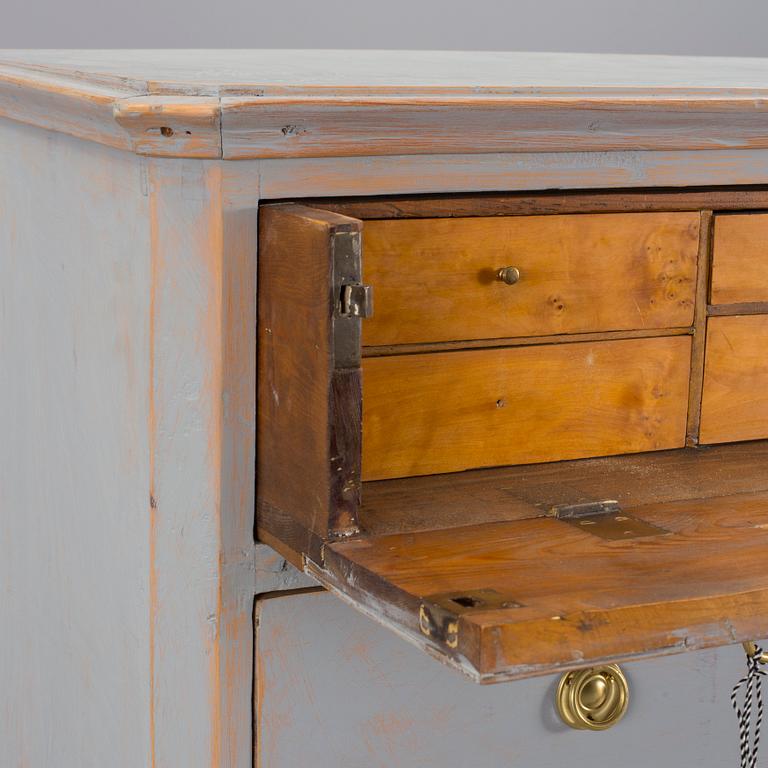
(450, 411)
(496, 277)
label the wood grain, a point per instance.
(283, 104)
(740, 259)
(436, 279)
(444, 412)
(548, 202)
(118, 113)
(313, 73)
(582, 599)
(501, 494)
(165, 126)
(735, 399)
(307, 441)
(366, 124)
(292, 178)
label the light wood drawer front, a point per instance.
(740, 259)
(735, 399)
(450, 411)
(436, 279)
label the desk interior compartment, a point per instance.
(513, 506)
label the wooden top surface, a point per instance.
(272, 103)
(261, 72)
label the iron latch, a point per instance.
(356, 300)
(606, 520)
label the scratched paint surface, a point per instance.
(338, 690)
(74, 474)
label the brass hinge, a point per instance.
(606, 520)
(440, 614)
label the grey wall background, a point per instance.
(697, 27)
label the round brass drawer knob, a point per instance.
(593, 699)
(509, 275)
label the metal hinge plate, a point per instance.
(356, 300)
(351, 299)
(606, 520)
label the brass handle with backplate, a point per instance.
(593, 699)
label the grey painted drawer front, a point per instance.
(337, 691)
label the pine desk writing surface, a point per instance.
(131, 185)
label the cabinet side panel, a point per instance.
(74, 473)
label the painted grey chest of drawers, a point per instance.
(143, 623)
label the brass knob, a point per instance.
(509, 275)
(593, 699)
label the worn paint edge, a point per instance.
(380, 612)
(152, 534)
(164, 126)
(210, 123)
(496, 172)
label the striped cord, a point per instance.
(749, 741)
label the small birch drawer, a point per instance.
(445, 279)
(740, 259)
(735, 398)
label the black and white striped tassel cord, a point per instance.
(749, 737)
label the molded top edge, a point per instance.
(278, 103)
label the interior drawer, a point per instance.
(449, 411)
(438, 279)
(740, 259)
(735, 397)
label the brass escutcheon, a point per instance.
(509, 275)
(593, 699)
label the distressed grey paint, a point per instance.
(74, 472)
(126, 620)
(265, 72)
(338, 690)
(497, 172)
(83, 666)
(274, 573)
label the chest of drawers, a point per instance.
(473, 342)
